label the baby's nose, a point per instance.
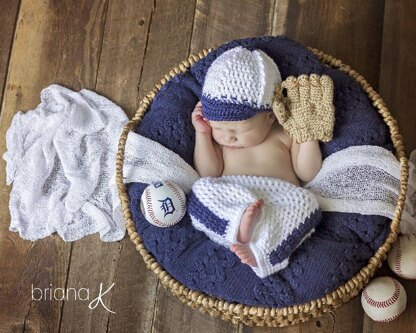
(231, 139)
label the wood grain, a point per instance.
(398, 67)
(217, 22)
(397, 81)
(122, 55)
(124, 42)
(350, 30)
(133, 295)
(168, 40)
(47, 49)
(8, 16)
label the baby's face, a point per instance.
(245, 133)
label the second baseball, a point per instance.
(384, 299)
(402, 257)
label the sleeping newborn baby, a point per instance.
(249, 197)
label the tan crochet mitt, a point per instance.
(307, 113)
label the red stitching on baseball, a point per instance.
(398, 258)
(174, 189)
(398, 263)
(150, 207)
(390, 318)
(386, 303)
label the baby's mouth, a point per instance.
(233, 147)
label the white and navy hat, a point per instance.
(239, 84)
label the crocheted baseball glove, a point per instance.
(307, 112)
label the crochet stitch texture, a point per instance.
(239, 84)
(307, 113)
(289, 215)
(342, 242)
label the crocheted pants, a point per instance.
(289, 215)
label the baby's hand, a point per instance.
(200, 123)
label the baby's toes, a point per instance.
(241, 251)
(238, 251)
(250, 211)
(252, 262)
(245, 256)
(260, 203)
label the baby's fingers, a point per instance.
(197, 114)
(198, 106)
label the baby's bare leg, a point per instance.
(248, 221)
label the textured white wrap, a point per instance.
(365, 180)
(146, 161)
(60, 158)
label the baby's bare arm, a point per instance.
(208, 161)
(306, 159)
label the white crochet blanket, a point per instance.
(61, 162)
(60, 158)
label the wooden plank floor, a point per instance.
(120, 49)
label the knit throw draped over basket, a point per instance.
(266, 309)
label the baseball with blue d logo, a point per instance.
(163, 203)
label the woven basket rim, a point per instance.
(254, 315)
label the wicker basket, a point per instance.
(253, 315)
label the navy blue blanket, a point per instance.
(341, 244)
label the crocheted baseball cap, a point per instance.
(239, 84)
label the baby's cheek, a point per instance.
(255, 139)
(216, 136)
(250, 137)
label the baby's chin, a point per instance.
(238, 146)
(232, 147)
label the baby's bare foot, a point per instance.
(249, 220)
(245, 254)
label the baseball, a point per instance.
(163, 203)
(402, 257)
(384, 299)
